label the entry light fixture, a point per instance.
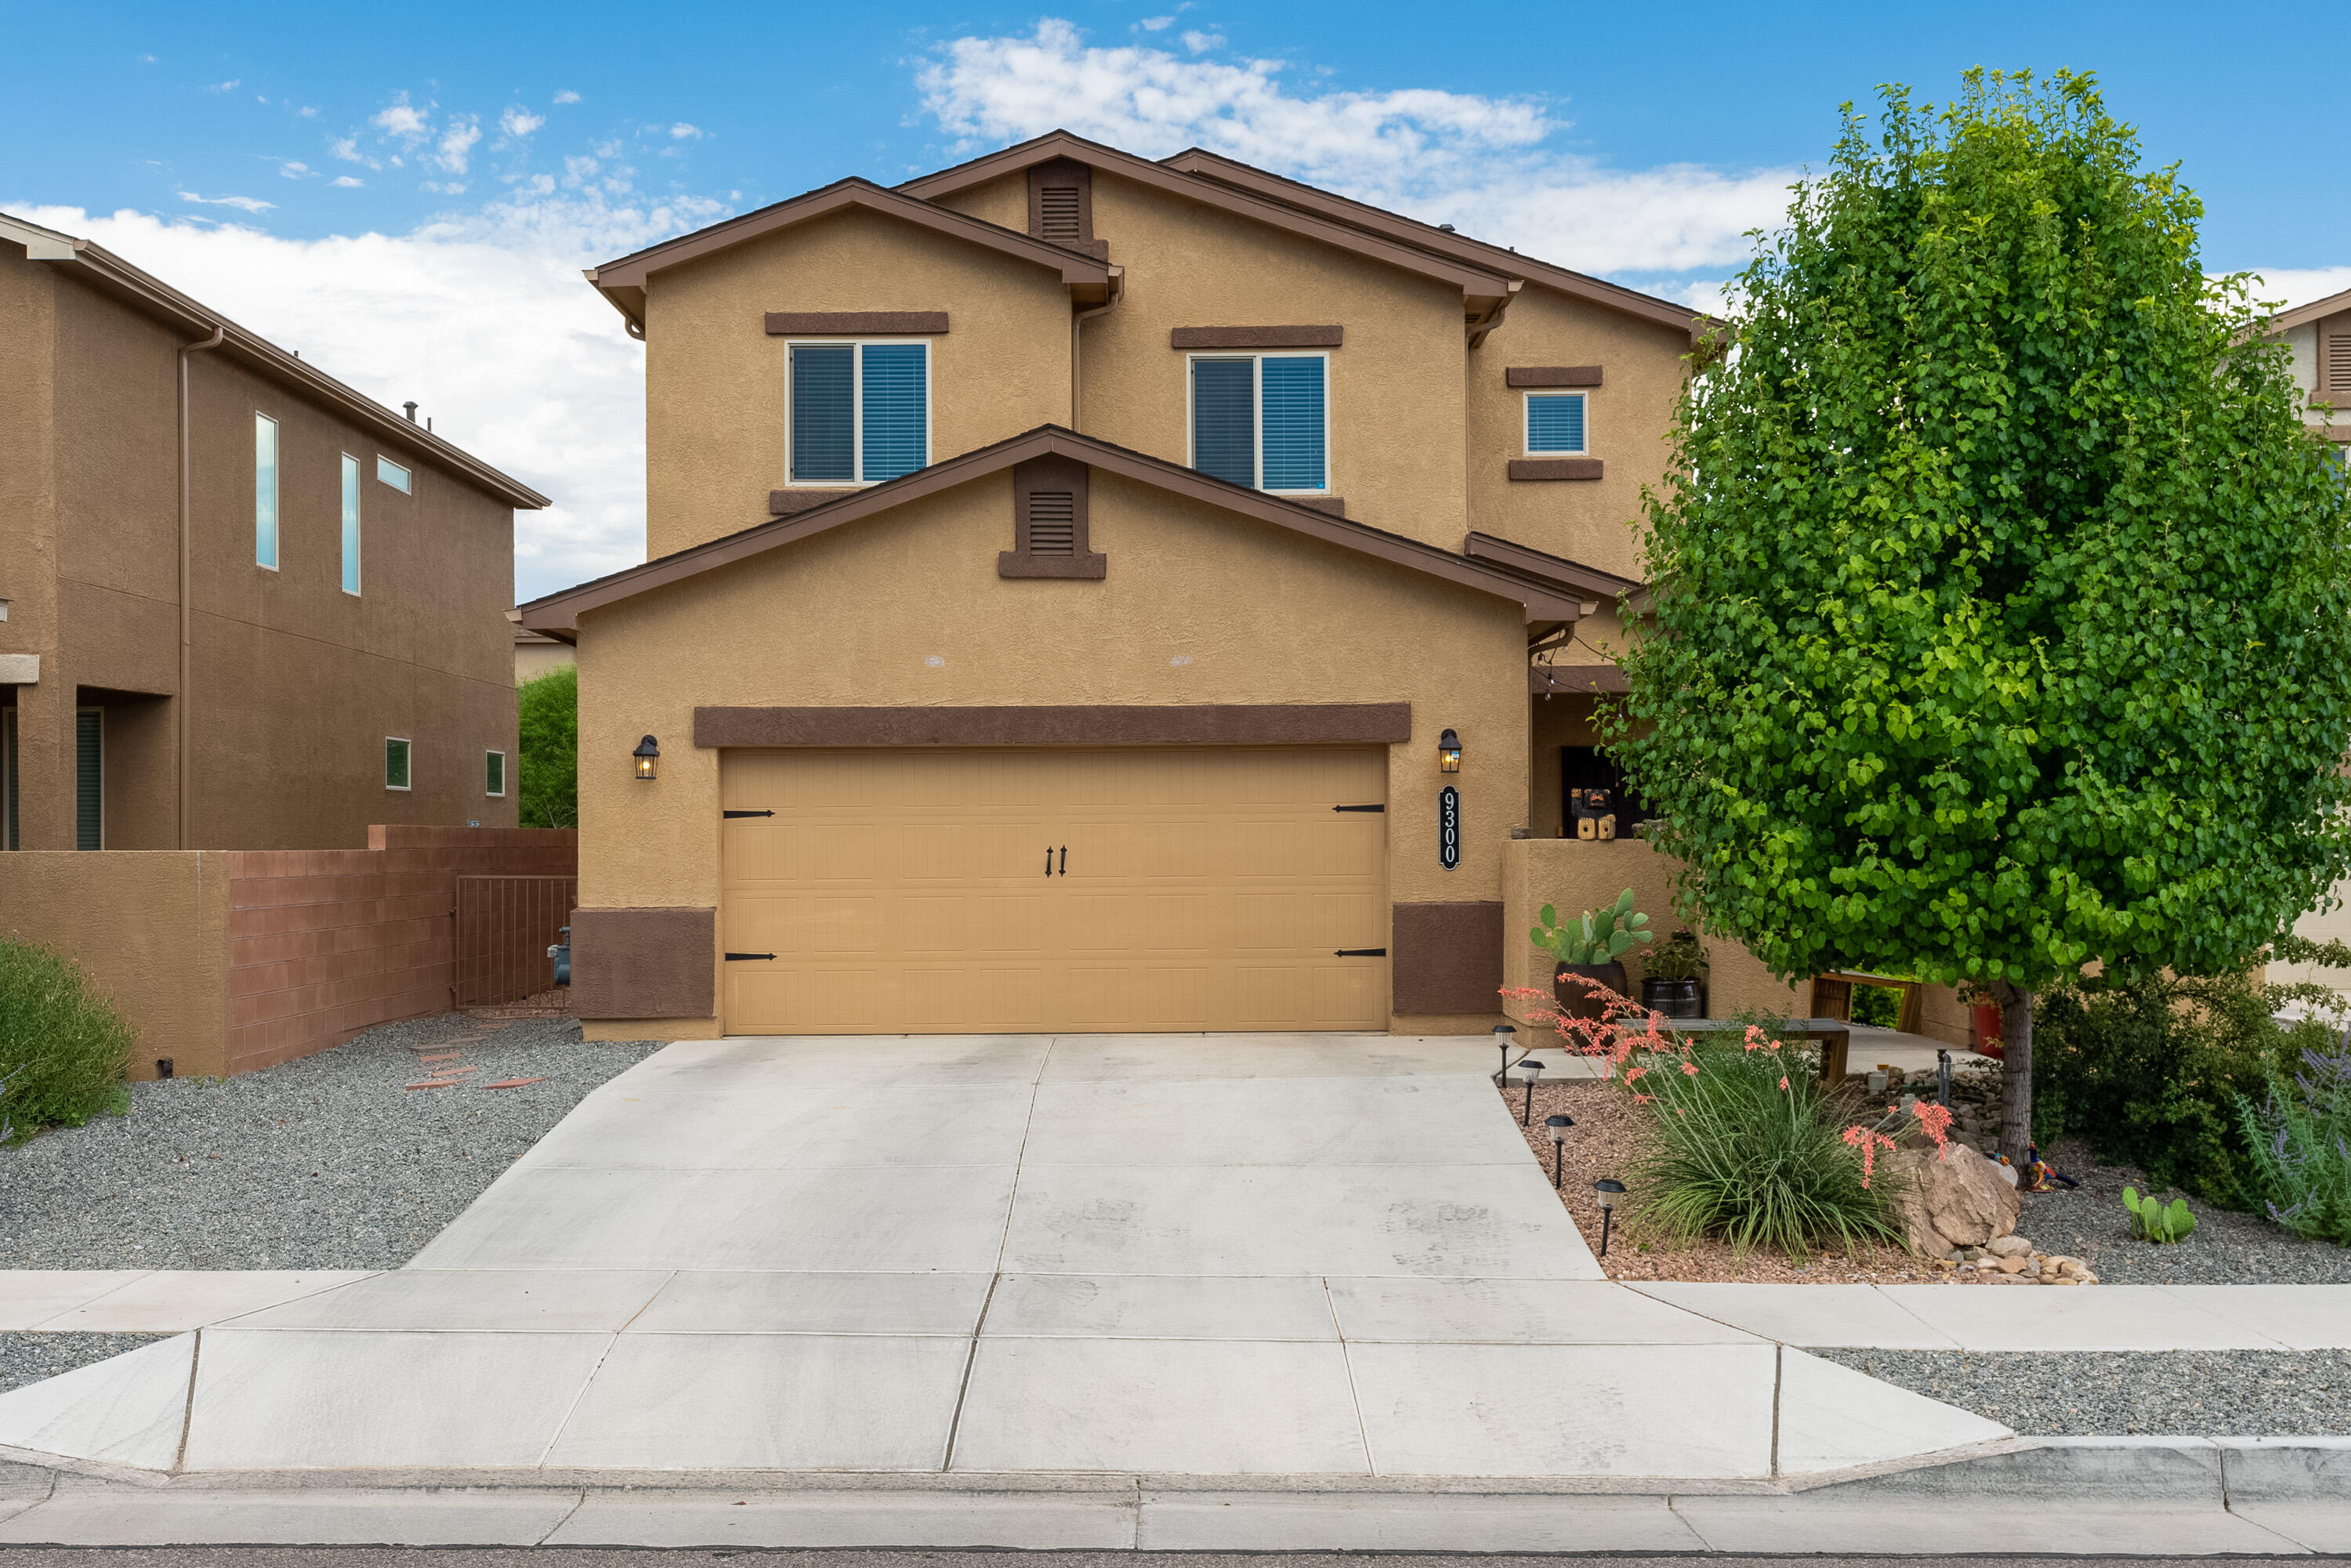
(1448, 753)
(1609, 1190)
(648, 756)
(1504, 1034)
(1559, 1126)
(1532, 1068)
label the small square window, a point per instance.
(1555, 425)
(392, 474)
(494, 773)
(395, 763)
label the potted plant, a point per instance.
(1589, 947)
(1983, 1016)
(1669, 977)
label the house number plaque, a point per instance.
(1448, 827)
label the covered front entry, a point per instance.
(906, 891)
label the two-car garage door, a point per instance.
(923, 890)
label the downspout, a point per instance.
(1078, 320)
(180, 706)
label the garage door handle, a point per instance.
(1049, 859)
(1065, 860)
(1361, 953)
(1380, 808)
(736, 957)
(747, 813)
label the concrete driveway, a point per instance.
(1207, 1255)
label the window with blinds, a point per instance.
(861, 413)
(90, 778)
(1555, 424)
(1262, 419)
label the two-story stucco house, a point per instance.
(1093, 593)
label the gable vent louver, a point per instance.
(1058, 213)
(2337, 376)
(1052, 522)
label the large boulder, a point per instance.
(1954, 1201)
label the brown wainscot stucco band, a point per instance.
(1446, 958)
(643, 963)
(1554, 467)
(1551, 375)
(1204, 724)
(1254, 336)
(855, 323)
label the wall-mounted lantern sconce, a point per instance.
(1609, 1192)
(1448, 753)
(648, 756)
(1559, 1126)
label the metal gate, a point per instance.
(504, 925)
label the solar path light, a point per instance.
(1609, 1190)
(1534, 1069)
(1559, 1126)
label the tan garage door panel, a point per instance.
(1197, 888)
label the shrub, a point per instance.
(2299, 1136)
(2149, 1069)
(62, 1050)
(549, 711)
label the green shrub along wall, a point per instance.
(63, 1052)
(549, 711)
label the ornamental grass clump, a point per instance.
(2300, 1137)
(62, 1050)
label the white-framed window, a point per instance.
(264, 491)
(1262, 419)
(387, 472)
(1558, 424)
(856, 412)
(395, 762)
(494, 773)
(350, 525)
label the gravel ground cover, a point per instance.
(2177, 1393)
(327, 1162)
(29, 1357)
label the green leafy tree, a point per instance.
(2004, 610)
(550, 748)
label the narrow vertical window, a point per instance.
(824, 413)
(1292, 398)
(896, 410)
(8, 837)
(494, 773)
(90, 778)
(1224, 419)
(395, 763)
(1555, 424)
(350, 524)
(264, 491)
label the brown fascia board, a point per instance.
(1478, 279)
(1202, 164)
(2317, 309)
(557, 614)
(117, 278)
(1556, 569)
(623, 281)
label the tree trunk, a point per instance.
(2016, 1077)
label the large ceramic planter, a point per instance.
(1674, 998)
(1578, 1001)
(1985, 1016)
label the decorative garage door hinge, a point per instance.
(747, 813)
(1358, 807)
(1361, 953)
(733, 958)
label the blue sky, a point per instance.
(407, 191)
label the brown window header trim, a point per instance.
(1301, 724)
(1554, 467)
(1256, 337)
(1546, 375)
(856, 323)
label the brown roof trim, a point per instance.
(623, 281)
(1256, 337)
(1544, 680)
(1203, 723)
(1478, 279)
(1202, 164)
(118, 278)
(1558, 569)
(2303, 315)
(856, 323)
(559, 614)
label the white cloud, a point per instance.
(403, 119)
(517, 122)
(345, 183)
(567, 96)
(457, 144)
(1200, 42)
(682, 131)
(1485, 164)
(229, 86)
(1155, 23)
(347, 148)
(243, 203)
(294, 170)
(2294, 285)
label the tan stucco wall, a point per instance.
(716, 419)
(534, 659)
(151, 933)
(1262, 615)
(1574, 876)
(296, 682)
(1628, 419)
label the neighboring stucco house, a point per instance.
(536, 653)
(1066, 570)
(247, 608)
